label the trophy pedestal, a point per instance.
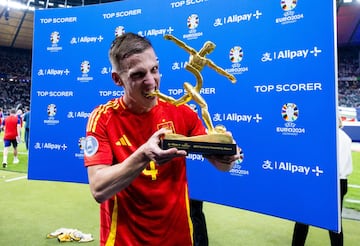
(211, 144)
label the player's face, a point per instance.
(139, 78)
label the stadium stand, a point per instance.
(15, 78)
(349, 77)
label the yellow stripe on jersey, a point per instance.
(94, 117)
(121, 101)
(90, 120)
(112, 235)
(102, 110)
(188, 214)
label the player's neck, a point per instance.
(137, 108)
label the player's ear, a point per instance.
(117, 79)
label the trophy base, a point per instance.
(211, 144)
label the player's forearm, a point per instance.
(106, 181)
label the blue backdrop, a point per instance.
(281, 110)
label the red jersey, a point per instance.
(11, 123)
(154, 208)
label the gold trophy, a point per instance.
(216, 141)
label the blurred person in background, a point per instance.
(1, 118)
(26, 119)
(19, 114)
(12, 130)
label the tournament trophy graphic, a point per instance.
(216, 141)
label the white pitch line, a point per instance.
(15, 179)
(354, 186)
(352, 201)
(19, 152)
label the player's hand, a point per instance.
(18, 139)
(224, 162)
(153, 151)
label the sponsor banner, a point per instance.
(281, 110)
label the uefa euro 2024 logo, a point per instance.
(85, 67)
(51, 110)
(120, 30)
(288, 5)
(236, 54)
(289, 113)
(55, 37)
(289, 15)
(193, 21)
